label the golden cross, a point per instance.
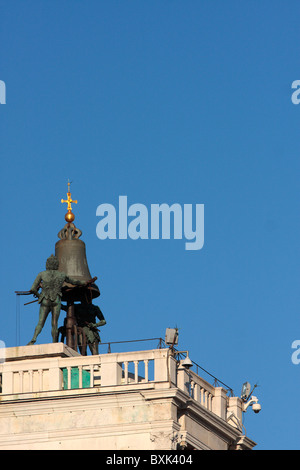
(69, 200)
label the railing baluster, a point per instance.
(146, 362)
(206, 399)
(40, 380)
(126, 372)
(197, 396)
(21, 376)
(202, 395)
(30, 374)
(80, 376)
(91, 375)
(69, 377)
(192, 385)
(136, 372)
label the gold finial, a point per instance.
(69, 217)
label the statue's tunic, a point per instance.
(52, 282)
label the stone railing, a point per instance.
(45, 374)
(212, 398)
(201, 391)
(35, 373)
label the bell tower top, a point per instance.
(69, 217)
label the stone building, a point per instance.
(52, 397)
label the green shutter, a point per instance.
(75, 378)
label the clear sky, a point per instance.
(163, 102)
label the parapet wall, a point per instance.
(52, 397)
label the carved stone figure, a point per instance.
(51, 281)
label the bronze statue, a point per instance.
(86, 315)
(51, 281)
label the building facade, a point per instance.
(51, 397)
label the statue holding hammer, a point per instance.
(51, 282)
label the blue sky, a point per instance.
(164, 102)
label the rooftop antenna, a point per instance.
(246, 391)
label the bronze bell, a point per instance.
(71, 253)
